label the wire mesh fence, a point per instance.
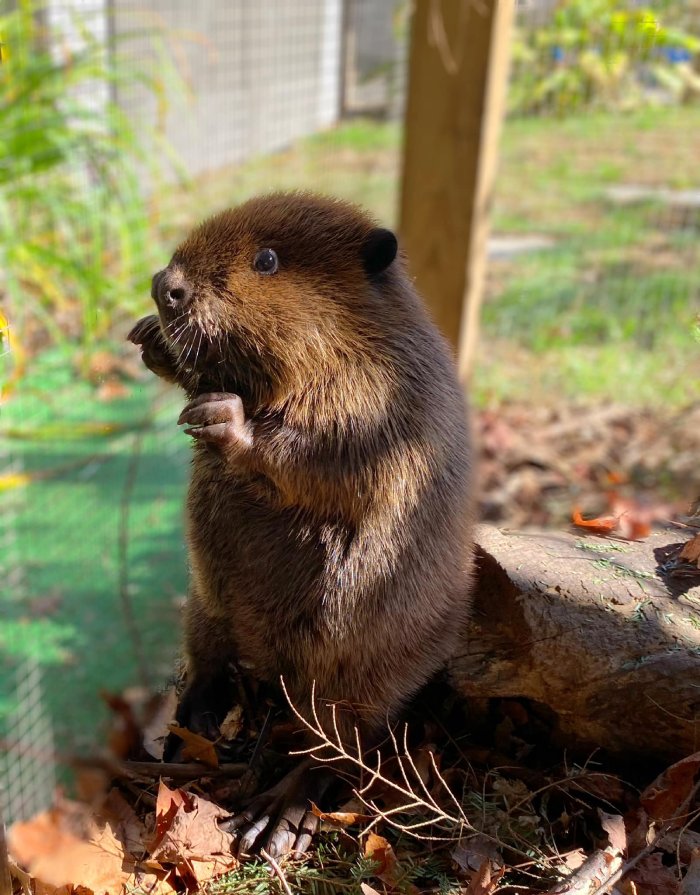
(594, 256)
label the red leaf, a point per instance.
(601, 525)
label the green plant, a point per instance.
(76, 236)
(598, 53)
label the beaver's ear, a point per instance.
(379, 251)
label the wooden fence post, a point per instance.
(458, 68)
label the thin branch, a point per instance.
(148, 769)
(279, 873)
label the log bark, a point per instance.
(605, 633)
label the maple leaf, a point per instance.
(188, 836)
(68, 849)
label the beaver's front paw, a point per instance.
(218, 418)
(155, 353)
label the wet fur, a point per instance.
(337, 549)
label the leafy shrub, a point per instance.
(75, 233)
(599, 53)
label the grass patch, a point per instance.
(66, 611)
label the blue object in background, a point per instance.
(677, 54)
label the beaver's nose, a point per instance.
(170, 289)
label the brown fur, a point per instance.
(336, 549)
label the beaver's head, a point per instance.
(279, 284)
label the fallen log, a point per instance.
(604, 633)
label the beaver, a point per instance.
(330, 502)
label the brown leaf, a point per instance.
(663, 798)
(691, 550)
(188, 837)
(124, 737)
(339, 819)
(197, 747)
(155, 726)
(469, 854)
(128, 828)
(485, 880)
(614, 826)
(691, 881)
(56, 857)
(232, 724)
(652, 877)
(72, 849)
(377, 849)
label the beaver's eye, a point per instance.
(266, 261)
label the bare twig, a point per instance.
(279, 873)
(181, 770)
(596, 869)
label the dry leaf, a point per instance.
(574, 859)
(691, 551)
(23, 880)
(485, 880)
(71, 849)
(367, 890)
(469, 854)
(339, 819)
(197, 747)
(600, 525)
(652, 877)
(155, 728)
(691, 881)
(232, 724)
(188, 836)
(377, 849)
(56, 857)
(614, 826)
(663, 798)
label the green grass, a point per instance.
(610, 311)
(66, 611)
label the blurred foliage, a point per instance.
(76, 235)
(605, 54)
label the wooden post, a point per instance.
(458, 70)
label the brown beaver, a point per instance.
(329, 506)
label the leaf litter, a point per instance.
(536, 822)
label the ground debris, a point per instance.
(539, 464)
